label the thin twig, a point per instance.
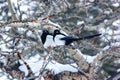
(12, 10)
(46, 61)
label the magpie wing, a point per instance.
(68, 40)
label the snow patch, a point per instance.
(116, 4)
(53, 66)
(88, 58)
(116, 23)
(80, 22)
(91, 0)
(118, 70)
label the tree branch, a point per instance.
(12, 10)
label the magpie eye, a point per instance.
(57, 31)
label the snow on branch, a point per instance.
(31, 24)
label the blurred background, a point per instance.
(78, 17)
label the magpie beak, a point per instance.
(47, 39)
(62, 39)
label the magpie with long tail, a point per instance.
(61, 39)
(47, 39)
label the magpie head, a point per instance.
(57, 32)
(44, 35)
(45, 32)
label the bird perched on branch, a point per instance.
(61, 39)
(47, 39)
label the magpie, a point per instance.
(47, 39)
(61, 39)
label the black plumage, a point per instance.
(47, 39)
(62, 39)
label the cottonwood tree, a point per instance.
(22, 55)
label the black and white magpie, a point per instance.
(47, 39)
(61, 39)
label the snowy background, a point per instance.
(102, 16)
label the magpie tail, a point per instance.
(88, 37)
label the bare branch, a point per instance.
(12, 10)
